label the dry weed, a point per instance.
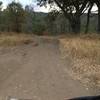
(85, 54)
(14, 39)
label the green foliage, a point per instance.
(17, 19)
(0, 5)
(72, 10)
(16, 16)
(39, 29)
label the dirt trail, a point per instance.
(36, 72)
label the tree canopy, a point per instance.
(0, 5)
(72, 10)
(16, 16)
(68, 18)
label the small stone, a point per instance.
(10, 98)
(87, 88)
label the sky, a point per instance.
(27, 2)
(33, 3)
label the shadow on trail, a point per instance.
(86, 98)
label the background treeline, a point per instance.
(15, 18)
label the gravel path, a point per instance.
(36, 72)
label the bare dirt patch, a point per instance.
(37, 73)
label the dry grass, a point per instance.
(84, 51)
(14, 39)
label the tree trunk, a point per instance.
(75, 24)
(88, 19)
(98, 19)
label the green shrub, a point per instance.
(39, 29)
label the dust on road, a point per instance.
(37, 72)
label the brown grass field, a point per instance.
(13, 39)
(84, 51)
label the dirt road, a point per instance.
(36, 72)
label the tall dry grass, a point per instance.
(84, 51)
(13, 39)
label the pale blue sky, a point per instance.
(27, 2)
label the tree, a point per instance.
(29, 19)
(91, 4)
(16, 16)
(0, 5)
(29, 8)
(72, 9)
(98, 5)
(0, 11)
